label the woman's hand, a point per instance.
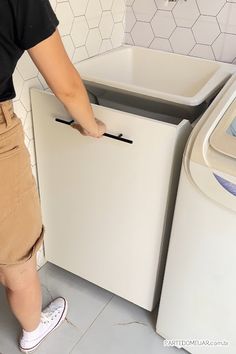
(101, 129)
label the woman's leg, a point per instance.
(24, 296)
(23, 292)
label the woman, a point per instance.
(31, 25)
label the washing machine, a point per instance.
(197, 309)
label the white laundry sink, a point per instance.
(161, 75)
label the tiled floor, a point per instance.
(98, 322)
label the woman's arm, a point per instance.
(64, 80)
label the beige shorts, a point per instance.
(21, 228)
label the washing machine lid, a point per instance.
(214, 137)
(210, 155)
(223, 138)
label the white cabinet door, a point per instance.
(103, 200)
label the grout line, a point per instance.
(70, 323)
(85, 332)
(48, 291)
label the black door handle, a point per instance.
(119, 137)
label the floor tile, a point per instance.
(123, 328)
(61, 341)
(98, 322)
(85, 299)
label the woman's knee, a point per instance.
(19, 277)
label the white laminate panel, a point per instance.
(104, 201)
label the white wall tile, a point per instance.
(31, 149)
(53, 3)
(80, 54)
(106, 4)
(68, 45)
(18, 82)
(224, 47)
(25, 94)
(42, 81)
(79, 31)
(202, 51)
(204, 28)
(79, 6)
(182, 40)
(163, 24)
(210, 7)
(144, 10)
(105, 46)
(40, 255)
(129, 39)
(165, 4)
(142, 34)
(117, 34)
(227, 18)
(118, 10)
(93, 13)
(65, 17)
(106, 24)
(20, 110)
(28, 126)
(94, 41)
(186, 13)
(129, 2)
(26, 67)
(161, 44)
(130, 19)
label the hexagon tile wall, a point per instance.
(87, 28)
(203, 28)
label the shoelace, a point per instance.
(49, 315)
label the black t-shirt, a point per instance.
(23, 24)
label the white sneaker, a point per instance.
(51, 317)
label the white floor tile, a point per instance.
(85, 299)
